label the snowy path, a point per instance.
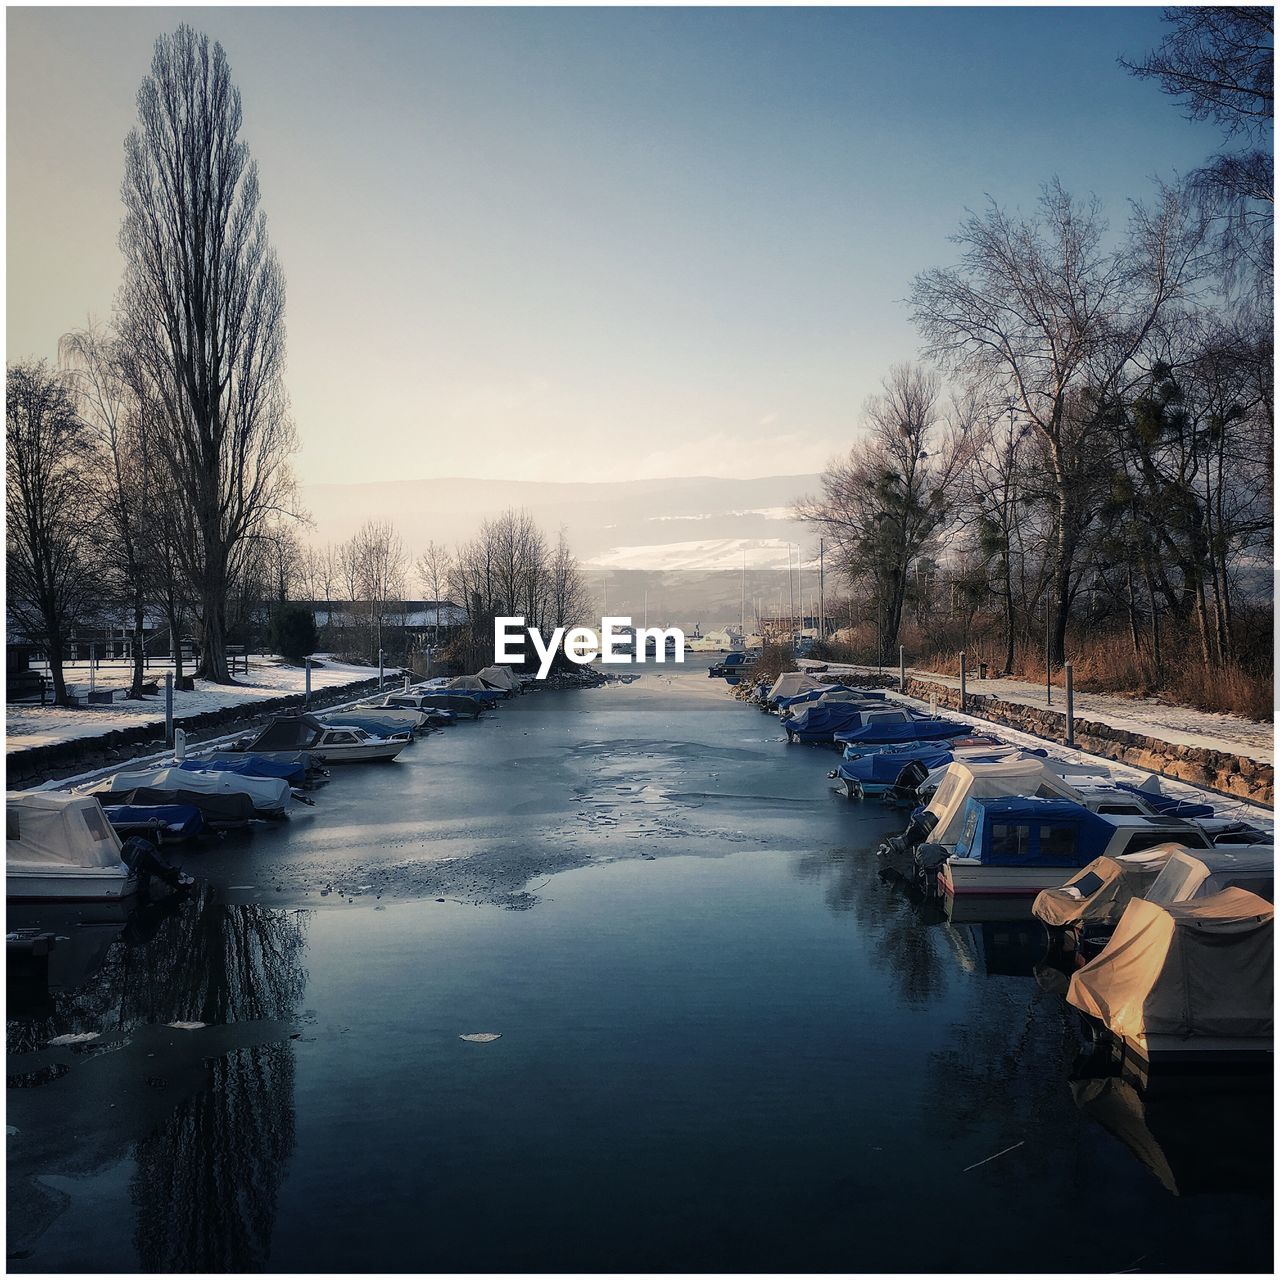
(1179, 726)
(28, 726)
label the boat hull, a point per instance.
(959, 878)
(359, 753)
(79, 884)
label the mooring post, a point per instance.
(902, 668)
(306, 701)
(380, 654)
(1071, 707)
(406, 684)
(168, 708)
(179, 744)
(963, 676)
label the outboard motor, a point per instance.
(929, 859)
(918, 830)
(144, 860)
(906, 785)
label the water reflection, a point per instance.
(1197, 1134)
(883, 907)
(208, 1115)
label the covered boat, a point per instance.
(344, 738)
(227, 810)
(878, 774)
(270, 797)
(462, 706)
(1014, 846)
(789, 683)
(1188, 874)
(821, 721)
(158, 822)
(500, 678)
(60, 847)
(474, 687)
(294, 772)
(859, 741)
(1190, 981)
(1099, 892)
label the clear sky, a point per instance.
(674, 241)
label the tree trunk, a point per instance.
(56, 673)
(139, 645)
(213, 625)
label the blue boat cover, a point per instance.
(811, 695)
(1027, 831)
(904, 731)
(180, 821)
(250, 766)
(887, 765)
(1169, 806)
(819, 722)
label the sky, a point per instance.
(588, 244)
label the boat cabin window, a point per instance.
(1010, 839)
(948, 787)
(96, 821)
(970, 830)
(1045, 792)
(1087, 885)
(1149, 839)
(1058, 842)
(339, 737)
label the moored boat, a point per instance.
(59, 847)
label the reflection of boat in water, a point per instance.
(1198, 1136)
(998, 948)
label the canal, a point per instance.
(727, 1039)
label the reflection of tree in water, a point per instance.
(208, 1176)
(903, 944)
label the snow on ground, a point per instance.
(1179, 726)
(268, 677)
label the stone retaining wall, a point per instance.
(1221, 771)
(30, 767)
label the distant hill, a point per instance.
(680, 541)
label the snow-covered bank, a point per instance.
(1178, 726)
(268, 678)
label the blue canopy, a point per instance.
(885, 766)
(1026, 831)
(177, 821)
(1169, 806)
(903, 731)
(819, 722)
(251, 766)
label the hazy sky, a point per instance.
(676, 238)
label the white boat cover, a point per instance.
(1201, 968)
(964, 778)
(499, 678)
(47, 830)
(466, 682)
(266, 793)
(1189, 875)
(789, 683)
(1099, 892)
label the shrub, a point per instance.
(291, 631)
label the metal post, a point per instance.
(902, 668)
(963, 676)
(1071, 707)
(1048, 664)
(168, 708)
(306, 701)
(406, 684)
(380, 657)
(180, 744)
(92, 670)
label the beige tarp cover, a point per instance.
(58, 829)
(1189, 875)
(789, 683)
(1124, 878)
(499, 678)
(466, 682)
(1028, 777)
(1198, 968)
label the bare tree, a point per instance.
(1050, 317)
(884, 502)
(434, 565)
(99, 376)
(378, 560)
(48, 544)
(202, 304)
(1218, 61)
